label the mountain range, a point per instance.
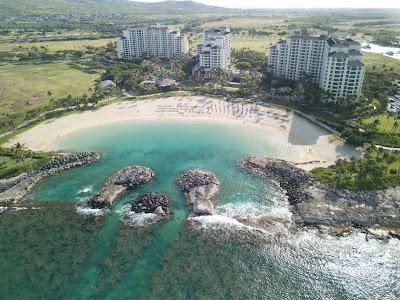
(52, 7)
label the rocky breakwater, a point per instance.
(147, 209)
(200, 188)
(315, 204)
(152, 203)
(293, 180)
(14, 190)
(125, 179)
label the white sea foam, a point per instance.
(222, 222)
(248, 216)
(18, 208)
(339, 258)
(132, 218)
(11, 208)
(87, 211)
(252, 211)
(85, 190)
(140, 219)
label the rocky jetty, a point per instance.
(316, 204)
(14, 190)
(200, 188)
(125, 179)
(156, 203)
(293, 180)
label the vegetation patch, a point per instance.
(386, 129)
(378, 169)
(17, 160)
(54, 46)
(23, 87)
(257, 43)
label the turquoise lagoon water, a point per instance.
(53, 252)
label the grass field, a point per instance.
(30, 83)
(14, 162)
(14, 34)
(57, 45)
(260, 44)
(386, 123)
(378, 60)
(248, 22)
(387, 133)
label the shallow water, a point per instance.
(54, 252)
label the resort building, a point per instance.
(157, 41)
(333, 62)
(215, 51)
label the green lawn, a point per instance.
(386, 123)
(14, 162)
(247, 22)
(378, 60)
(260, 44)
(25, 86)
(387, 134)
(15, 34)
(55, 46)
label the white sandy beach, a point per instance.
(312, 142)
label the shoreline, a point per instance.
(313, 143)
(314, 204)
(15, 189)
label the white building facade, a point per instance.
(334, 63)
(157, 41)
(215, 51)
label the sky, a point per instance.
(300, 3)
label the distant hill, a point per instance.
(51, 7)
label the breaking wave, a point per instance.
(85, 190)
(248, 216)
(131, 218)
(87, 211)
(16, 208)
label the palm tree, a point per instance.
(17, 147)
(376, 123)
(387, 122)
(395, 126)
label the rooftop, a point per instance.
(308, 37)
(355, 63)
(355, 53)
(338, 54)
(338, 42)
(352, 42)
(218, 31)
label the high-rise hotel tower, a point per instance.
(157, 41)
(333, 62)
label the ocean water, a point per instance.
(51, 250)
